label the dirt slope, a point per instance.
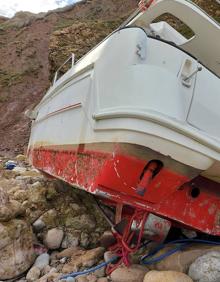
(33, 46)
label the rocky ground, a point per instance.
(49, 229)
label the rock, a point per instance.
(51, 192)
(206, 268)
(108, 256)
(32, 173)
(53, 276)
(103, 279)
(63, 260)
(82, 279)
(134, 273)
(54, 254)
(36, 203)
(53, 270)
(50, 218)
(42, 261)
(70, 279)
(33, 274)
(81, 222)
(54, 238)
(107, 239)
(20, 196)
(84, 239)
(38, 225)
(99, 273)
(166, 276)
(46, 269)
(71, 239)
(20, 158)
(91, 278)
(182, 260)
(10, 210)
(9, 174)
(16, 248)
(4, 197)
(84, 259)
(19, 170)
(217, 12)
(50, 277)
(36, 185)
(67, 253)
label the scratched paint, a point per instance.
(114, 176)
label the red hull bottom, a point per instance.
(115, 175)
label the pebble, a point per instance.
(81, 279)
(36, 185)
(91, 278)
(38, 225)
(19, 170)
(20, 158)
(63, 260)
(53, 238)
(33, 274)
(70, 279)
(42, 261)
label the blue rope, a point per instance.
(148, 259)
(87, 271)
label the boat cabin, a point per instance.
(186, 25)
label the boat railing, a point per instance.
(64, 68)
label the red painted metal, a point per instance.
(115, 176)
(123, 246)
(147, 177)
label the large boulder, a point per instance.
(16, 248)
(166, 276)
(206, 268)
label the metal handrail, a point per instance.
(72, 58)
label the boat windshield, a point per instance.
(185, 25)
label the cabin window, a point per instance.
(170, 28)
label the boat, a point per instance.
(136, 122)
